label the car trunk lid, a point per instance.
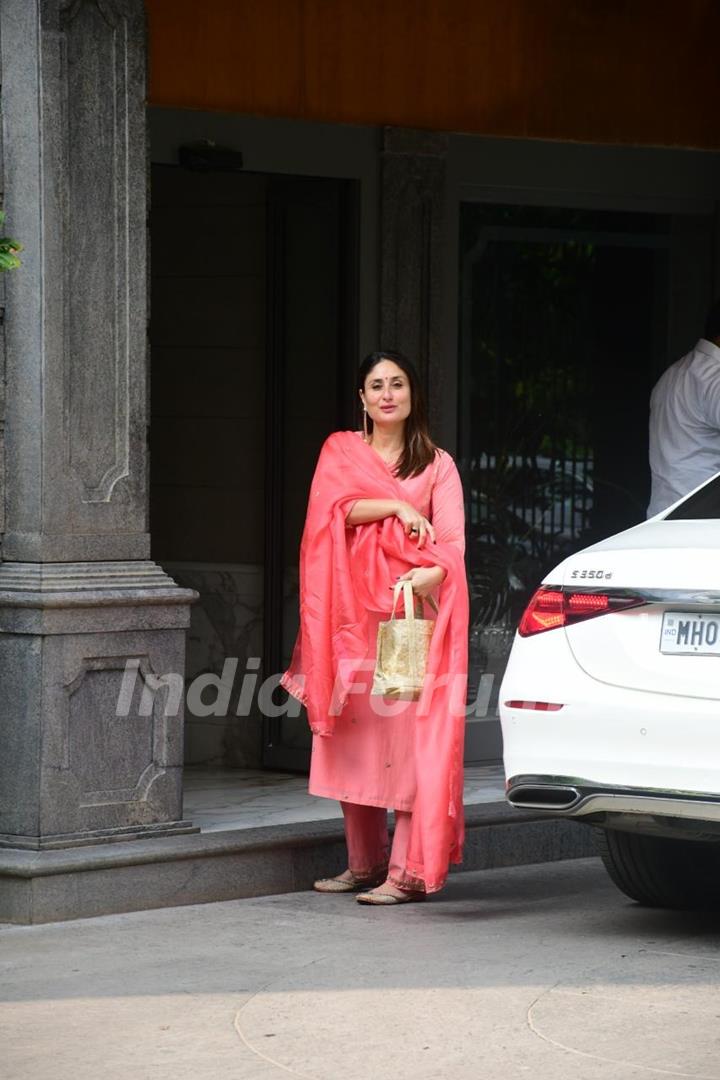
(670, 643)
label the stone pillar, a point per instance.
(413, 194)
(79, 596)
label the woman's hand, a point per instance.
(424, 579)
(414, 524)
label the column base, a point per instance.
(91, 731)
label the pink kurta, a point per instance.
(345, 575)
(370, 758)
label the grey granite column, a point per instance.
(80, 600)
(413, 194)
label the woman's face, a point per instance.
(387, 394)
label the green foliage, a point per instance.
(8, 249)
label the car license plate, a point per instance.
(694, 632)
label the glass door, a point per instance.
(311, 354)
(565, 319)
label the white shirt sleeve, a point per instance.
(711, 399)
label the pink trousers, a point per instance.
(369, 852)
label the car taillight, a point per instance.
(552, 607)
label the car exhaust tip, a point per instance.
(543, 797)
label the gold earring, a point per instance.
(365, 426)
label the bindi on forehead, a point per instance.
(397, 376)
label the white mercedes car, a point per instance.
(610, 704)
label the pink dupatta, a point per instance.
(343, 574)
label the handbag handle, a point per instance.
(409, 599)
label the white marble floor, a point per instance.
(219, 799)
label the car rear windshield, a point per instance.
(704, 504)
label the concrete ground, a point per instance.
(541, 971)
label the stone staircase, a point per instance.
(71, 883)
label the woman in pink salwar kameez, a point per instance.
(385, 504)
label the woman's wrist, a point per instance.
(438, 574)
(364, 511)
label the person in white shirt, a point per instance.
(685, 421)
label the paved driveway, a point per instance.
(541, 971)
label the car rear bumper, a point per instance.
(617, 739)
(656, 812)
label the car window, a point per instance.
(704, 504)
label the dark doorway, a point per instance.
(253, 338)
(567, 319)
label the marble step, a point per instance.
(38, 887)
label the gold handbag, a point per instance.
(402, 648)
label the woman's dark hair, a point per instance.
(419, 448)
(712, 326)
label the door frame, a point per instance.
(279, 147)
(581, 176)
